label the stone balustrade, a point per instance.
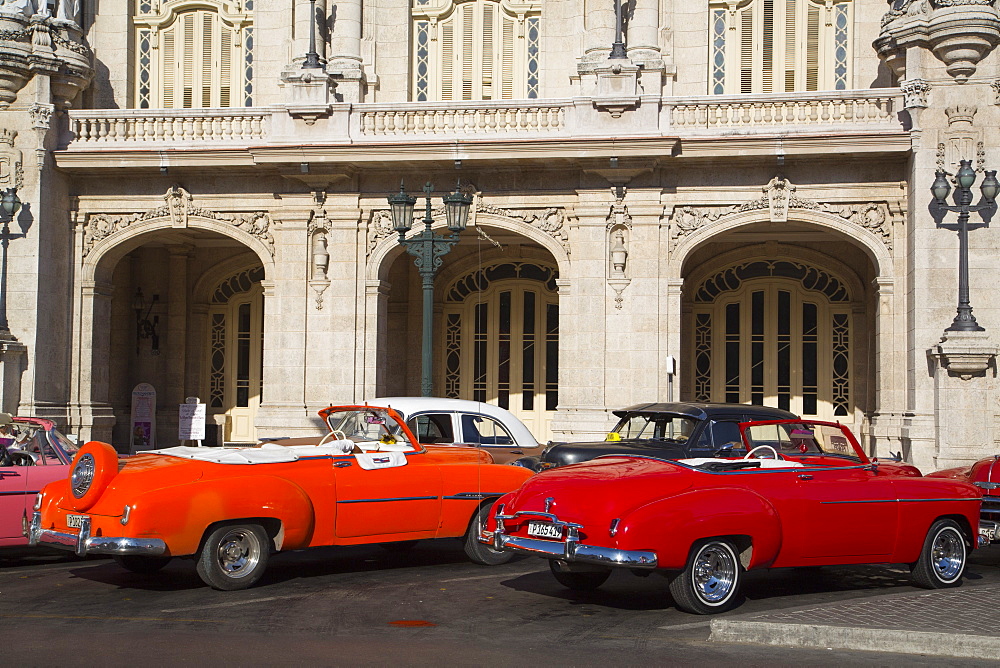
(113, 126)
(865, 110)
(765, 112)
(470, 119)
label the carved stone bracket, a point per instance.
(779, 199)
(317, 230)
(965, 354)
(915, 93)
(178, 209)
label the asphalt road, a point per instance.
(368, 606)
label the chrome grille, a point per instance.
(991, 508)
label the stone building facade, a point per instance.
(730, 205)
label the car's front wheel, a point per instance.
(142, 565)
(579, 581)
(234, 556)
(710, 582)
(942, 558)
(481, 553)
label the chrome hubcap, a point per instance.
(714, 573)
(948, 554)
(239, 552)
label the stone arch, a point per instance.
(209, 281)
(873, 245)
(769, 251)
(101, 258)
(387, 250)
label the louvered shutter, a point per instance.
(507, 71)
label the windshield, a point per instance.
(364, 425)
(802, 438)
(655, 426)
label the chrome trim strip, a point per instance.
(833, 503)
(796, 469)
(538, 513)
(401, 498)
(987, 485)
(605, 556)
(474, 496)
(83, 544)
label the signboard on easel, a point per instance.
(143, 422)
(191, 421)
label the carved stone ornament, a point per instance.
(11, 170)
(34, 42)
(619, 227)
(179, 210)
(915, 93)
(552, 221)
(779, 199)
(995, 85)
(960, 33)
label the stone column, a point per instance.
(345, 49)
(91, 414)
(13, 361)
(376, 319)
(964, 397)
(599, 16)
(300, 42)
(286, 305)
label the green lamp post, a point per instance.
(428, 249)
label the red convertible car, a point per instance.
(805, 494)
(984, 474)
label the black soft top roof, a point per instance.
(703, 411)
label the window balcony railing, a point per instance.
(840, 111)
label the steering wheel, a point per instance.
(20, 458)
(751, 454)
(341, 436)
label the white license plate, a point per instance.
(544, 530)
(988, 532)
(75, 521)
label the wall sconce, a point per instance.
(144, 327)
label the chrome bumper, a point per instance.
(569, 550)
(83, 543)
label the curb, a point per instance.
(855, 638)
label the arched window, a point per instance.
(194, 54)
(779, 46)
(774, 333)
(501, 341)
(475, 50)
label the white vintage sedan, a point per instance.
(439, 421)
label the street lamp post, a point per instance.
(428, 248)
(964, 320)
(618, 48)
(312, 57)
(9, 206)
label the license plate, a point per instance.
(544, 530)
(75, 521)
(988, 532)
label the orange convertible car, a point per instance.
(368, 481)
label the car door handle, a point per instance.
(341, 465)
(805, 476)
(9, 474)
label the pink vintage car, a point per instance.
(32, 454)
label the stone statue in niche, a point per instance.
(68, 10)
(619, 254)
(321, 257)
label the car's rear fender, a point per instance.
(181, 515)
(671, 526)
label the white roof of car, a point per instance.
(408, 406)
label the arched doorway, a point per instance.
(500, 342)
(777, 333)
(234, 378)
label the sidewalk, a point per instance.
(963, 622)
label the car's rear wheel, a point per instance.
(580, 581)
(481, 553)
(143, 565)
(234, 556)
(942, 558)
(710, 582)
